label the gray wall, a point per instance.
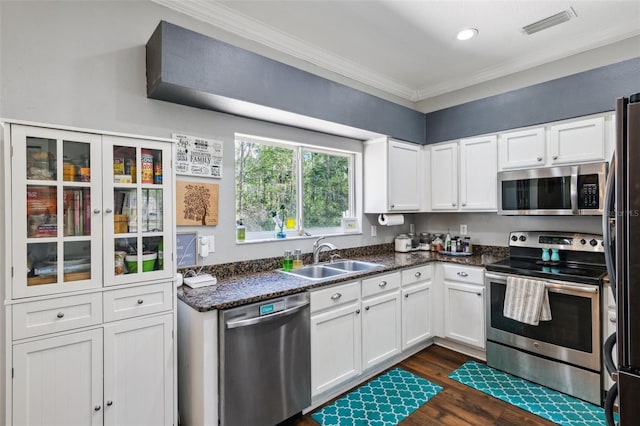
(82, 64)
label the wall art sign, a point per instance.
(198, 156)
(196, 203)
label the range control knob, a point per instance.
(583, 241)
(593, 243)
(523, 238)
(514, 238)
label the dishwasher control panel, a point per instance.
(270, 308)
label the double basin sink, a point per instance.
(333, 269)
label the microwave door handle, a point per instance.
(574, 189)
(608, 221)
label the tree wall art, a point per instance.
(196, 203)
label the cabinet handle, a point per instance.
(108, 210)
(555, 157)
(382, 284)
(418, 274)
(60, 314)
(96, 211)
(140, 301)
(97, 408)
(336, 296)
(109, 403)
(612, 319)
(463, 274)
(539, 158)
(357, 311)
(366, 308)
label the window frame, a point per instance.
(298, 149)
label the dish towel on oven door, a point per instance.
(526, 301)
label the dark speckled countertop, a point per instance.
(243, 288)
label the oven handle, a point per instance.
(574, 189)
(551, 285)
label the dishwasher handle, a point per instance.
(266, 318)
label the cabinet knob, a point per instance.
(418, 274)
(463, 274)
(382, 284)
(453, 204)
(393, 206)
(555, 157)
(357, 311)
(366, 308)
(478, 294)
(109, 403)
(108, 210)
(539, 158)
(96, 211)
(60, 314)
(406, 296)
(464, 204)
(612, 319)
(336, 296)
(97, 408)
(140, 301)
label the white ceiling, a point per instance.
(409, 48)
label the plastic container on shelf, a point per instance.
(148, 262)
(146, 166)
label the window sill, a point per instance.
(297, 237)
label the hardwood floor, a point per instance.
(456, 404)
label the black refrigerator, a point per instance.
(622, 238)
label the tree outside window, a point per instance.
(315, 185)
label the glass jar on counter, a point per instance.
(425, 241)
(415, 241)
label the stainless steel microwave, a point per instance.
(562, 190)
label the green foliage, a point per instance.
(326, 189)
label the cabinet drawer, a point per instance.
(136, 301)
(414, 275)
(466, 274)
(380, 284)
(53, 315)
(334, 296)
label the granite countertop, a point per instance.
(246, 288)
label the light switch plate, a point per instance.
(374, 230)
(463, 229)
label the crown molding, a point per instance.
(229, 20)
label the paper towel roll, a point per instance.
(391, 219)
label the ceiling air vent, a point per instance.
(549, 22)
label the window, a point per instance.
(291, 187)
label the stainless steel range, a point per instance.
(565, 352)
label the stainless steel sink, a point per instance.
(354, 265)
(332, 270)
(316, 272)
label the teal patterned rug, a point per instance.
(549, 404)
(384, 401)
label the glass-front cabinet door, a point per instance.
(56, 213)
(138, 233)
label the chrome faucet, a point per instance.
(317, 248)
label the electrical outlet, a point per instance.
(374, 230)
(212, 244)
(463, 229)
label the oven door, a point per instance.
(573, 334)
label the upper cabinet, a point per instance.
(565, 143)
(391, 176)
(463, 175)
(88, 210)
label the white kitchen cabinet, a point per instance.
(577, 141)
(58, 380)
(138, 372)
(381, 318)
(444, 176)
(392, 171)
(523, 148)
(87, 210)
(335, 336)
(464, 304)
(417, 306)
(478, 173)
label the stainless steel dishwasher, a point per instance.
(265, 361)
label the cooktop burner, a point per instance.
(562, 272)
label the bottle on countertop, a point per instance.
(447, 242)
(287, 261)
(297, 259)
(241, 231)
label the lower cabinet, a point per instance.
(417, 305)
(58, 380)
(464, 305)
(381, 320)
(335, 336)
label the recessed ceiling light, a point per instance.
(467, 33)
